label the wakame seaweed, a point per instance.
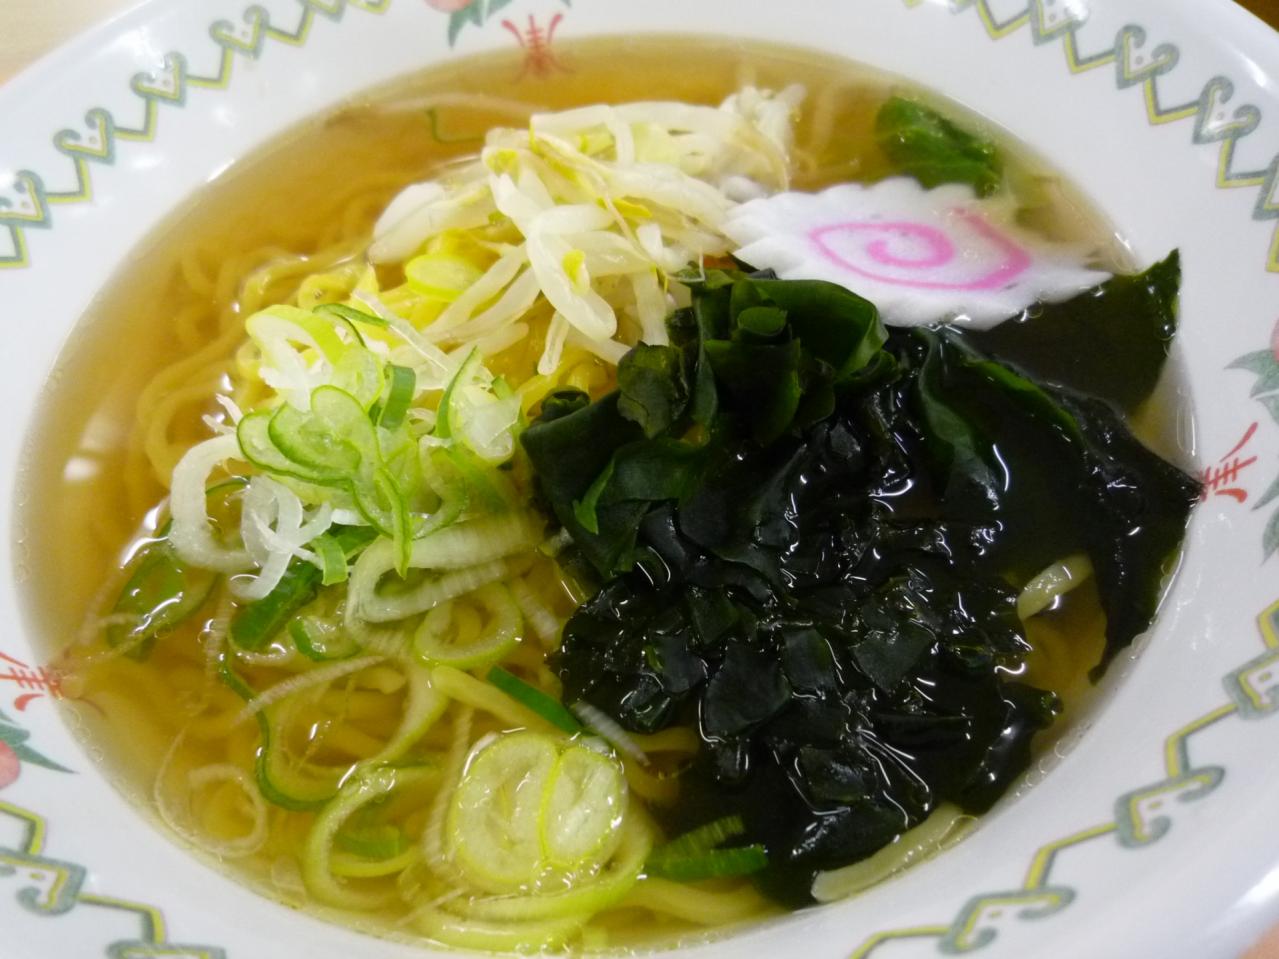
(810, 534)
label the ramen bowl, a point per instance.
(1144, 831)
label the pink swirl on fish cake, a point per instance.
(927, 250)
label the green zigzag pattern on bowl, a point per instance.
(53, 887)
(32, 204)
(1137, 66)
(1141, 817)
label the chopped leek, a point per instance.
(380, 841)
(321, 643)
(704, 838)
(160, 593)
(444, 418)
(715, 864)
(533, 698)
(351, 314)
(332, 556)
(293, 784)
(694, 856)
(436, 640)
(254, 625)
(364, 787)
(492, 831)
(531, 809)
(401, 385)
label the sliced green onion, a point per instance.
(319, 644)
(254, 624)
(352, 539)
(350, 866)
(403, 384)
(332, 556)
(401, 518)
(482, 484)
(501, 633)
(358, 373)
(704, 838)
(364, 787)
(351, 314)
(443, 417)
(632, 840)
(160, 593)
(380, 841)
(254, 437)
(286, 781)
(280, 778)
(693, 856)
(334, 438)
(714, 864)
(582, 806)
(534, 699)
(492, 832)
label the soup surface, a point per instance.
(337, 772)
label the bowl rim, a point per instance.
(1245, 699)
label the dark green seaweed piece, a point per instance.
(1110, 342)
(753, 355)
(650, 380)
(1069, 462)
(922, 143)
(811, 533)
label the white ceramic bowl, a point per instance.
(1154, 836)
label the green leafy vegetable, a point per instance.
(444, 415)
(922, 143)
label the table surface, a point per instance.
(31, 28)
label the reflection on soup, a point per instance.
(470, 548)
